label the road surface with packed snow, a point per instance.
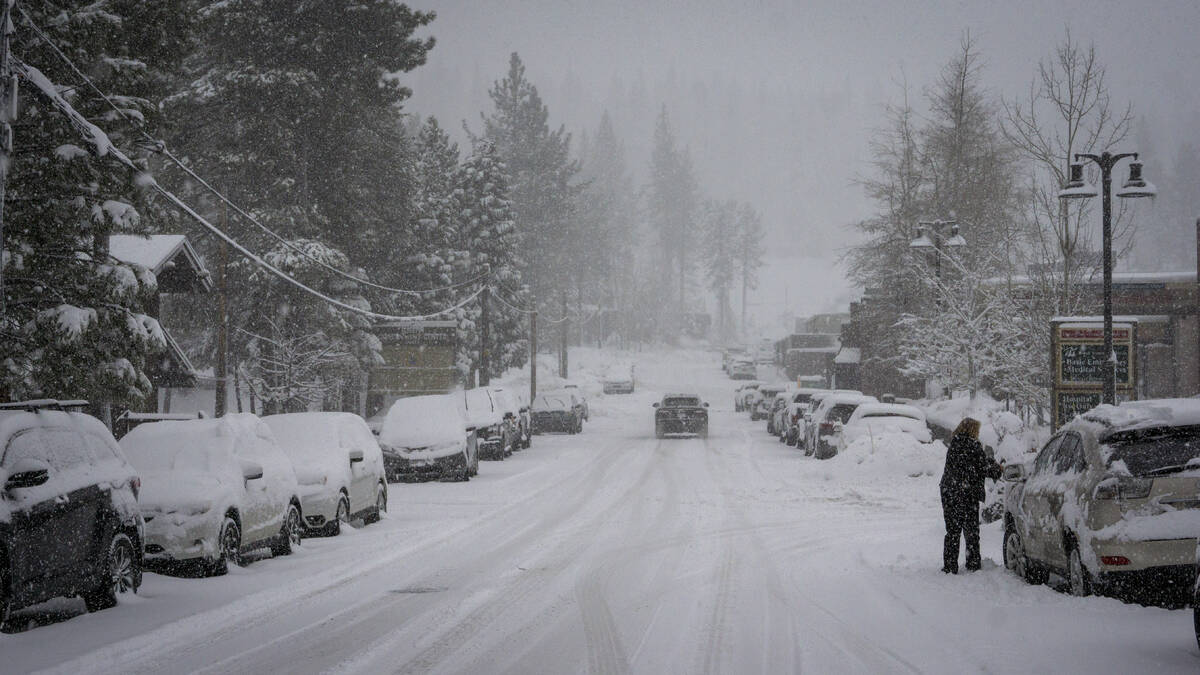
(615, 552)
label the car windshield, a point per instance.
(680, 401)
(1159, 450)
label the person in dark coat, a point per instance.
(962, 491)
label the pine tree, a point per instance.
(672, 203)
(541, 172)
(748, 252)
(293, 107)
(77, 323)
(489, 247)
(720, 246)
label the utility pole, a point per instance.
(8, 114)
(562, 343)
(223, 328)
(533, 354)
(484, 336)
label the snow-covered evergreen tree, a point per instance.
(672, 201)
(489, 246)
(77, 323)
(294, 348)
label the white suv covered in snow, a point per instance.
(213, 489)
(1113, 497)
(338, 464)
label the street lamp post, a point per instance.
(1134, 187)
(937, 235)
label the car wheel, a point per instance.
(1014, 554)
(229, 547)
(290, 533)
(1077, 575)
(122, 574)
(376, 513)
(466, 470)
(334, 527)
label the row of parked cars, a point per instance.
(824, 421)
(82, 514)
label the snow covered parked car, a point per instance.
(743, 394)
(828, 421)
(877, 419)
(69, 520)
(493, 434)
(516, 416)
(764, 401)
(556, 411)
(213, 489)
(1113, 499)
(429, 436)
(583, 402)
(339, 467)
(743, 370)
(793, 420)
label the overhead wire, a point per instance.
(100, 140)
(160, 147)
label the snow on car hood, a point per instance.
(423, 421)
(179, 492)
(891, 455)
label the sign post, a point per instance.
(1080, 365)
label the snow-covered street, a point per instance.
(611, 551)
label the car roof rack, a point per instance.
(44, 404)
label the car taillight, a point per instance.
(1114, 560)
(1123, 487)
(135, 484)
(827, 427)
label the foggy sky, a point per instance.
(776, 100)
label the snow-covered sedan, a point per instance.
(743, 394)
(429, 436)
(878, 419)
(828, 422)
(556, 411)
(793, 420)
(516, 416)
(213, 489)
(1112, 499)
(493, 435)
(338, 465)
(743, 370)
(764, 401)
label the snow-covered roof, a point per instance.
(159, 253)
(848, 355)
(1174, 277)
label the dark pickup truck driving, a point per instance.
(681, 414)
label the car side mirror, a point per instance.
(28, 473)
(655, 405)
(1014, 473)
(705, 404)
(356, 455)
(251, 470)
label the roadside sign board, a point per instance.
(418, 359)
(1079, 364)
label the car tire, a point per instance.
(122, 574)
(334, 527)
(290, 532)
(1015, 559)
(229, 548)
(1079, 581)
(376, 513)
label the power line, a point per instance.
(104, 147)
(161, 147)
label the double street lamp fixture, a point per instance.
(937, 236)
(1079, 188)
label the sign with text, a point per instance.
(1080, 364)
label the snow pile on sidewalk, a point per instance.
(888, 456)
(1000, 429)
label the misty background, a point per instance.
(777, 101)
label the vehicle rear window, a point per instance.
(680, 401)
(840, 412)
(801, 398)
(1158, 450)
